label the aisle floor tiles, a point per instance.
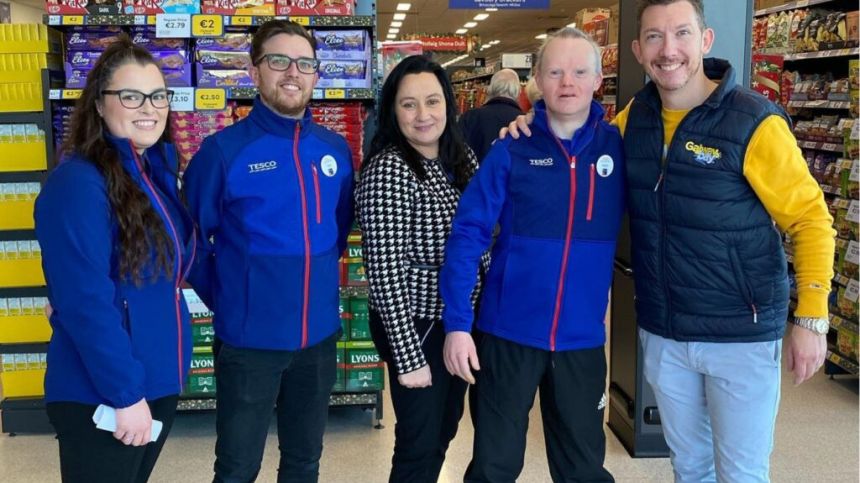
(816, 440)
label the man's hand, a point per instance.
(806, 353)
(461, 356)
(521, 123)
(420, 377)
(134, 424)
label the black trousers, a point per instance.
(571, 384)
(250, 383)
(90, 455)
(427, 418)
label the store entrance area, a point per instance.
(816, 440)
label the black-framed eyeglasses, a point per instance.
(280, 63)
(133, 99)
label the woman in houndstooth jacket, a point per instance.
(410, 184)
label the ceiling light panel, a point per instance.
(399, 16)
(403, 7)
(481, 16)
(396, 24)
(461, 31)
(470, 25)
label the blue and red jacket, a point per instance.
(272, 198)
(559, 204)
(114, 342)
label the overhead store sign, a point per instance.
(445, 43)
(477, 4)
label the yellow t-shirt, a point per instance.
(777, 172)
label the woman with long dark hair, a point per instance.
(411, 181)
(116, 244)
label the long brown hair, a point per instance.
(140, 228)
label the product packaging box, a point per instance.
(83, 7)
(343, 44)
(155, 7)
(340, 381)
(238, 7)
(351, 74)
(365, 370)
(359, 324)
(92, 40)
(230, 42)
(223, 78)
(214, 59)
(315, 7)
(201, 375)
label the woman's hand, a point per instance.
(134, 424)
(418, 378)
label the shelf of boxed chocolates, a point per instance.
(225, 21)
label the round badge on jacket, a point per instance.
(605, 165)
(328, 165)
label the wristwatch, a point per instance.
(818, 325)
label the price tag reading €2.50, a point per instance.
(207, 25)
(210, 99)
(172, 26)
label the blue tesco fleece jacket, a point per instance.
(273, 201)
(113, 342)
(559, 204)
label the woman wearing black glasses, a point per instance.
(116, 244)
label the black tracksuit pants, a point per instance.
(426, 418)
(91, 455)
(571, 385)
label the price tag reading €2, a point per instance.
(210, 99)
(852, 253)
(207, 25)
(853, 212)
(172, 25)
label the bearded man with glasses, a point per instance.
(272, 197)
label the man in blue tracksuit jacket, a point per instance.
(272, 196)
(558, 198)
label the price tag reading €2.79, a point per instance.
(853, 212)
(172, 26)
(183, 99)
(852, 253)
(207, 25)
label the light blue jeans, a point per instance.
(717, 403)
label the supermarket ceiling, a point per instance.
(514, 29)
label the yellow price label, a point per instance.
(207, 25)
(304, 21)
(151, 19)
(210, 99)
(73, 20)
(335, 94)
(72, 93)
(243, 20)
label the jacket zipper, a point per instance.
(743, 285)
(177, 262)
(305, 229)
(561, 277)
(590, 193)
(126, 320)
(317, 192)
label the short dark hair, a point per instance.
(698, 6)
(277, 27)
(452, 144)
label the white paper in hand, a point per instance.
(105, 418)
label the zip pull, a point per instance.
(659, 180)
(755, 314)
(125, 304)
(573, 162)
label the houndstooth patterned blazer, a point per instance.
(405, 225)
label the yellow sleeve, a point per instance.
(777, 172)
(621, 118)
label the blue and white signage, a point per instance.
(479, 4)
